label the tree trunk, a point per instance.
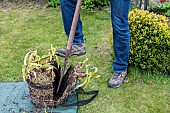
(136, 3)
(140, 4)
(162, 1)
(145, 4)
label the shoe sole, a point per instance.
(79, 54)
(114, 86)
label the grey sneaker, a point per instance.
(76, 50)
(117, 79)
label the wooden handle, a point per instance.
(70, 40)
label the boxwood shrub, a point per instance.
(150, 41)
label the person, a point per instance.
(121, 36)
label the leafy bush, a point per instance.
(161, 8)
(87, 4)
(150, 41)
(92, 4)
(53, 3)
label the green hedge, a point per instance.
(150, 41)
(92, 4)
(53, 3)
(87, 4)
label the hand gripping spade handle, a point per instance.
(70, 41)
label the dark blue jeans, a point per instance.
(121, 33)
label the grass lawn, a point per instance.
(26, 29)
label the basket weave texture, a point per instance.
(44, 95)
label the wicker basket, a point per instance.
(45, 95)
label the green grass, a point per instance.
(26, 29)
